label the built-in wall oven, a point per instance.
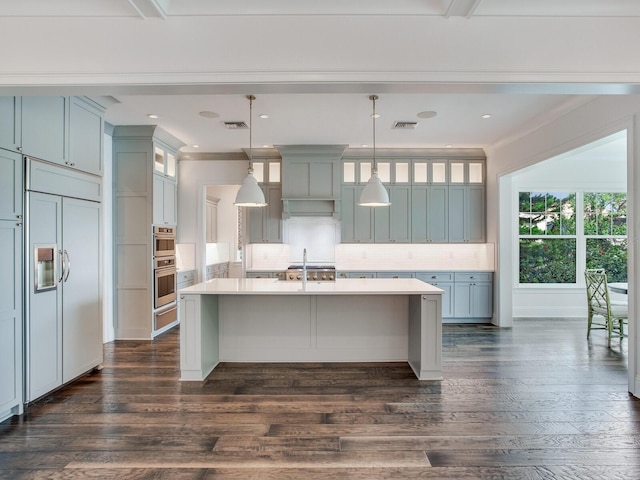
(164, 242)
(165, 281)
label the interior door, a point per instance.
(81, 312)
(44, 329)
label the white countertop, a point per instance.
(346, 286)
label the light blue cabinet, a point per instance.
(473, 295)
(11, 358)
(44, 128)
(429, 214)
(164, 200)
(86, 133)
(466, 214)
(393, 223)
(11, 185)
(357, 222)
(265, 224)
(395, 275)
(11, 123)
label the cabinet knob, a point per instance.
(18, 224)
(19, 149)
(18, 216)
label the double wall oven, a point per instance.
(164, 273)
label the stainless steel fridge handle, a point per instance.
(62, 266)
(68, 269)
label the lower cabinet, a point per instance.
(217, 270)
(266, 274)
(467, 297)
(185, 278)
(473, 295)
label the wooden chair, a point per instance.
(599, 305)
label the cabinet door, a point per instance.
(11, 123)
(44, 323)
(456, 215)
(462, 300)
(81, 311)
(447, 298)
(169, 202)
(393, 223)
(357, 221)
(158, 200)
(482, 300)
(265, 224)
(11, 185)
(44, 128)
(438, 214)
(85, 137)
(11, 315)
(475, 214)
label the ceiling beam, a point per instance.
(151, 8)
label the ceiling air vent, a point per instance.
(235, 125)
(405, 125)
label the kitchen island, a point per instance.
(349, 320)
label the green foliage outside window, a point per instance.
(543, 215)
(605, 213)
(547, 260)
(547, 213)
(610, 254)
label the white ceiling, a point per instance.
(305, 112)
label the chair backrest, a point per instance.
(597, 288)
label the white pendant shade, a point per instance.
(250, 193)
(374, 194)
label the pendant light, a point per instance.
(250, 193)
(374, 194)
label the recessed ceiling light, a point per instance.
(427, 114)
(263, 115)
(375, 115)
(195, 146)
(486, 115)
(152, 115)
(364, 145)
(448, 145)
(208, 114)
(266, 146)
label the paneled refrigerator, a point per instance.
(64, 327)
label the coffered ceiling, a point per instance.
(312, 65)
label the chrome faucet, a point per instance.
(304, 267)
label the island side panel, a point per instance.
(425, 336)
(199, 351)
(362, 328)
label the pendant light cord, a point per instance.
(251, 99)
(373, 98)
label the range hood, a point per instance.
(311, 180)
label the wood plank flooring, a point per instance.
(537, 402)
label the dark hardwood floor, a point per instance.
(538, 401)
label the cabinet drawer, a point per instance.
(431, 277)
(473, 277)
(185, 276)
(394, 275)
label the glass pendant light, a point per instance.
(374, 194)
(250, 193)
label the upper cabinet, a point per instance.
(433, 199)
(11, 185)
(66, 131)
(86, 136)
(164, 162)
(11, 123)
(311, 179)
(44, 128)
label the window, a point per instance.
(605, 230)
(552, 237)
(547, 226)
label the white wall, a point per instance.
(600, 117)
(599, 166)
